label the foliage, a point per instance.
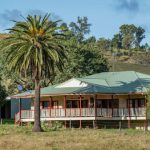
(117, 41)
(80, 28)
(85, 54)
(131, 36)
(34, 45)
(52, 126)
(3, 95)
(83, 59)
(33, 49)
(104, 44)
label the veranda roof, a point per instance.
(103, 83)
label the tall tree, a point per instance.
(83, 59)
(117, 41)
(3, 95)
(34, 48)
(139, 36)
(131, 36)
(128, 35)
(80, 28)
(104, 44)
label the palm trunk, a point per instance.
(37, 123)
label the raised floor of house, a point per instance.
(99, 108)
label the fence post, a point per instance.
(119, 125)
(70, 123)
(94, 124)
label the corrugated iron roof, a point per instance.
(108, 82)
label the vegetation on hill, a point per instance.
(118, 66)
(88, 55)
(83, 58)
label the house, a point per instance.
(11, 107)
(106, 99)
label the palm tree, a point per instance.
(34, 47)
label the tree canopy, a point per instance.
(34, 48)
(85, 54)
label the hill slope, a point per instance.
(118, 66)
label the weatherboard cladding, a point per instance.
(107, 82)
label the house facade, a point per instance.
(108, 99)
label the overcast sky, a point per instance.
(105, 15)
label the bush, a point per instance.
(52, 126)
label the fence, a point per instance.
(84, 112)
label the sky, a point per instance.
(106, 16)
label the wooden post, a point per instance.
(95, 97)
(146, 121)
(95, 110)
(20, 111)
(112, 104)
(108, 115)
(50, 105)
(80, 112)
(129, 114)
(65, 110)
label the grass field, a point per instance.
(21, 138)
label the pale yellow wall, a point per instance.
(122, 103)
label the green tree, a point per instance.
(117, 41)
(83, 59)
(131, 36)
(128, 35)
(80, 28)
(139, 36)
(104, 44)
(34, 48)
(3, 95)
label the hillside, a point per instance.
(127, 61)
(124, 60)
(118, 66)
(2, 36)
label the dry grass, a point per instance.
(21, 138)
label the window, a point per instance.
(98, 103)
(45, 104)
(55, 104)
(84, 103)
(108, 103)
(115, 103)
(104, 104)
(141, 103)
(134, 103)
(72, 103)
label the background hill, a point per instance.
(135, 61)
(118, 66)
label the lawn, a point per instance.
(21, 138)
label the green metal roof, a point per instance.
(107, 82)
